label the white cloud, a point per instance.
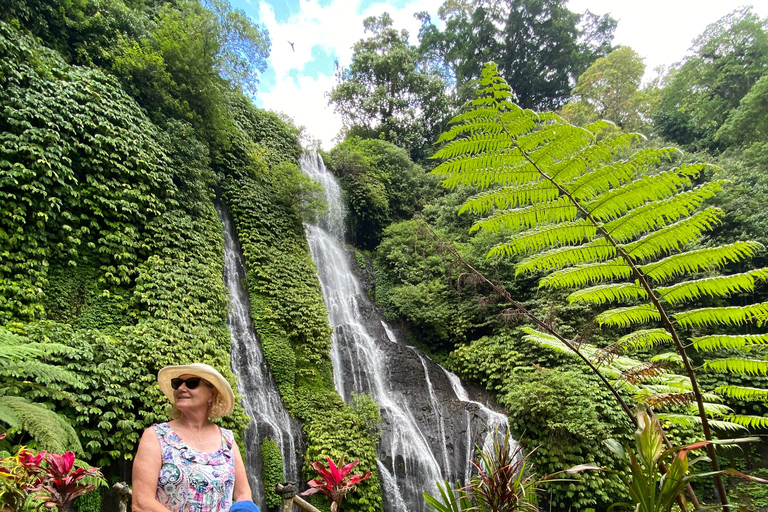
(335, 28)
(659, 30)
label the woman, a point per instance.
(190, 464)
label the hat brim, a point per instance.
(225, 400)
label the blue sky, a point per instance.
(323, 32)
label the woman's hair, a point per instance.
(173, 412)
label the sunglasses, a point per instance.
(191, 382)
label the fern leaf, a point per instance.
(685, 420)
(747, 421)
(674, 236)
(719, 341)
(516, 219)
(729, 315)
(510, 197)
(620, 200)
(50, 430)
(646, 338)
(538, 239)
(743, 393)
(718, 286)
(738, 366)
(662, 400)
(587, 274)
(629, 316)
(699, 260)
(658, 214)
(594, 251)
(619, 292)
(614, 175)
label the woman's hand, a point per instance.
(146, 471)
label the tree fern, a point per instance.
(593, 213)
(23, 370)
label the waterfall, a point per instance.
(260, 398)
(428, 425)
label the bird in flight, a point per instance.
(292, 48)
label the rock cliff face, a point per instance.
(430, 425)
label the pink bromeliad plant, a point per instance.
(334, 481)
(48, 478)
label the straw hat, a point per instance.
(225, 399)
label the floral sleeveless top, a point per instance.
(193, 481)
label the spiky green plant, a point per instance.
(23, 370)
(593, 213)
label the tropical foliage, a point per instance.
(335, 481)
(619, 225)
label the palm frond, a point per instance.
(698, 260)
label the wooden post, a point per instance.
(125, 492)
(288, 491)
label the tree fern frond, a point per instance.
(568, 233)
(645, 338)
(629, 316)
(516, 219)
(658, 214)
(668, 357)
(698, 260)
(738, 366)
(747, 421)
(643, 372)
(674, 236)
(510, 197)
(43, 373)
(618, 201)
(50, 430)
(600, 294)
(614, 175)
(662, 400)
(554, 143)
(743, 393)
(713, 410)
(594, 251)
(685, 420)
(735, 341)
(587, 274)
(717, 286)
(477, 143)
(728, 315)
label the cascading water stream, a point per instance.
(260, 397)
(428, 426)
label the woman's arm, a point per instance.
(242, 490)
(146, 470)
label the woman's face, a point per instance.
(193, 399)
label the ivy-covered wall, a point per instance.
(112, 246)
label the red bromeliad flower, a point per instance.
(334, 482)
(61, 484)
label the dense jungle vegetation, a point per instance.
(124, 122)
